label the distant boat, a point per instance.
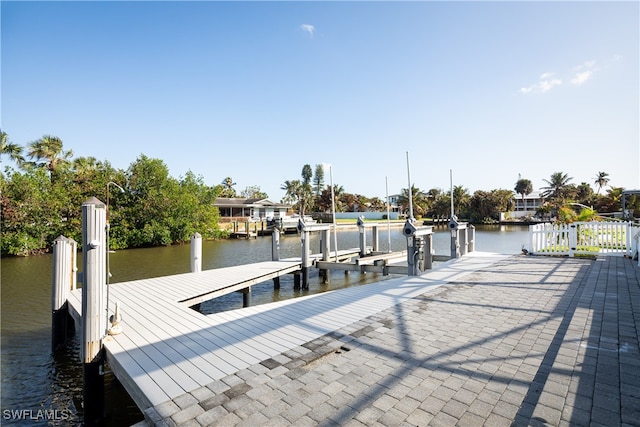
(289, 224)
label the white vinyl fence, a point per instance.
(585, 238)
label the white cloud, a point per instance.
(308, 28)
(584, 72)
(545, 83)
(582, 77)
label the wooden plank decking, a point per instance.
(167, 349)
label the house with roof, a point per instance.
(255, 209)
(524, 207)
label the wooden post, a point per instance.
(196, 253)
(64, 281)
(93, 308)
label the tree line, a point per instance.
(309, 194)
(42, 199)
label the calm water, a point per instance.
(34, 380)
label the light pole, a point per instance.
(107, 248)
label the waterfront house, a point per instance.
(240, 208)
(524, 207)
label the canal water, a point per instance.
(40, 389)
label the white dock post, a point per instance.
(196, 253)
(455, 245)
(363, 236)
(93, 308)
(463, 240)
(306, 259)
(325, 249)
(64, 280)
(375, 237)
(472, 238)
(275, 252)
(428, 252)
(275, 244)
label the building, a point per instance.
(238, 207)
(525, 207)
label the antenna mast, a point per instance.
(409, 192)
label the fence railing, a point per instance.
(585, 238)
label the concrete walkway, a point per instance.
(528, 341)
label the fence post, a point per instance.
(196, 253)
(573, 239)
(93, 308)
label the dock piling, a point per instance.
(196, 253)
(64, 281)
(93, 308)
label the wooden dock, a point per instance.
(167, 349)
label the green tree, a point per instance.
(323, 202)
(602, 179)
(461, 199)
(292, 193)
(253, 192)
(584, 194)
(556, 188)
(523, 187)
(47, 152)
(305, 191)
(419, 202)
(14, 151)
(227, 188)
(610, 202)
(318, 180)
(486, 206)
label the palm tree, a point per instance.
(602, 179)
(48, 153)
(461, 199)
(523, 187)
(14, 151)
(419, 201)
(227, 188)
(556, 186)
(292, 191)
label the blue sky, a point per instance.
(255, 90)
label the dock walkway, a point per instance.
(167, 350)
(485, 340)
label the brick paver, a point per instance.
(527, 341)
